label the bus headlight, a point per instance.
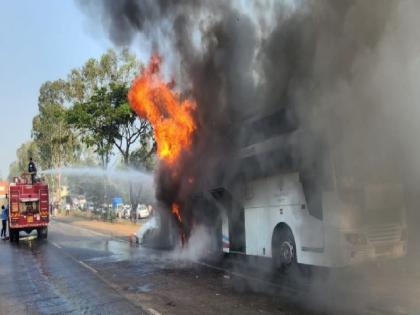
(356, 238)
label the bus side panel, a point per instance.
(260, 224)
(279, 199)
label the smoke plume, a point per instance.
(346, 71)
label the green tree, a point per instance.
(57, 144)
(23, 153)
(102, 114)
(111, 68)
(93, 122)
(131, 130)
(107, 121)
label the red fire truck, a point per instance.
(28, 207)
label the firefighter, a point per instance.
(32, 169)
(4, 216)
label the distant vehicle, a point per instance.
(143, 211)
(28, 207)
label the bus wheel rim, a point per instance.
(286, 252)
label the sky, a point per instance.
(39, 41)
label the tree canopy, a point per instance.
(89, 112)
(101, 113)
(91, 107)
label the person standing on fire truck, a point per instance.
(32, 169)
(4, 216)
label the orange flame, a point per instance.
(175, 210)
(150, 97)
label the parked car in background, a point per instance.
(143, 211)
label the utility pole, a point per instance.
(59, 165)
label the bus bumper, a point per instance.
(377, 252)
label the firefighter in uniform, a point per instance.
(32, 170)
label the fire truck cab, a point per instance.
(28, 207)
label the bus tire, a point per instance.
(284, 249)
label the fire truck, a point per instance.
(28, 207)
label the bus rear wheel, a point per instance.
(284, 249)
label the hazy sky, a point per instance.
(39, 41)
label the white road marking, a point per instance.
(82, 229)
(97, 274)
(153, 311)
(55, 244)
(87, 266)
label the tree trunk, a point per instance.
(134, 203)
(59, 189)
(135, 194)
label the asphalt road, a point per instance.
(78, 271)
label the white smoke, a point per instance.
(150, 225)
(201, 244)
(131, 175)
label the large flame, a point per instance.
(171, 117)
(176, 211)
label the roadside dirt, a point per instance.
(115, 229)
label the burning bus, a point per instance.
(299, 198)
(278, 189)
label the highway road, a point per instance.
(80, 271)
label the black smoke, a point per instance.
(315, 61)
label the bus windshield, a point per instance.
(370, 180)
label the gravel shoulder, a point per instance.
(119, 229)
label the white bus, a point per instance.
(300, 201)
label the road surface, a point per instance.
(79, 271)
